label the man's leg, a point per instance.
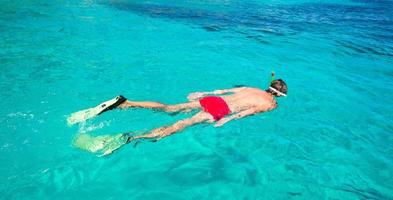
(160, 106)
(122, 102)
(164, 131)
(107, 144)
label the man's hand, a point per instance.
(196, 95)
(222, 121)
(238, 115)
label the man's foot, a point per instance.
(86, 114)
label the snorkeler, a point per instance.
(219, 106)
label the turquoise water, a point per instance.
(331, 138)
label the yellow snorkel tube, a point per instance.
(273, 89)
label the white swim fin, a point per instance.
(89, 113)
(101, 145)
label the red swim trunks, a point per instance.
(216, 106)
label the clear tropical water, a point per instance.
(331, 138)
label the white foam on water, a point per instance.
(85, 128)
(27, 115)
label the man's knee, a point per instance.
(169, 108)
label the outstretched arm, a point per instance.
(197, 95)
(238, 115)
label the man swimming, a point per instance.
(219, 106)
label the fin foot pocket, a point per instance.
(89, 113)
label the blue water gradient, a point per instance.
(331, 138)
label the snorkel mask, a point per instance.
(274, 89)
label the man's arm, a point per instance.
(238, 115)
(198, 95)
(232, 90)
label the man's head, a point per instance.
(278, 88)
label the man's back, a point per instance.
(248, 97)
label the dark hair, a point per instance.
(279, 85)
